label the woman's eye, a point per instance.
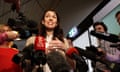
(54, 17)
(46, 16)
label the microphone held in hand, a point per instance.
(39, 43)
(74, 54)
(106, 36)
(36, 57)
(39, 55)
(8, 36)
(115, 45)
(114, 67)
(26, 53)
(80, 61)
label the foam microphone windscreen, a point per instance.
(87, 54)
(40, 43)
(70, 51)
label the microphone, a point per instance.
(80, 61)
(114, 67)
(40, 43)
(115, 45)
(87, 54)
(106, 36)
(74, 54)
(26, 53)
(39, 46)
(8, 36)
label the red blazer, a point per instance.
(6, 63)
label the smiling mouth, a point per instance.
(50, 23)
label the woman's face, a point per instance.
(99, 28)
(50, 20)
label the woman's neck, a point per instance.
(49, 32)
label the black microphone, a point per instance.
(106, 36)
(87, 54)
(115, 45)
(81, 64)
(39, 55)
(26, 53)
(114, 67)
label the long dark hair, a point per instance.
(58, 32)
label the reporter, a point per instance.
(7, 53)
(111, 54)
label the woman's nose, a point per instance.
(50, 18)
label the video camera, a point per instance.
(36, 57)
(23, 25)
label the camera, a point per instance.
(23, 25)
(36, 57)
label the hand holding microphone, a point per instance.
(12, 35)
(8, 36)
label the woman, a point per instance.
(51, 33)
